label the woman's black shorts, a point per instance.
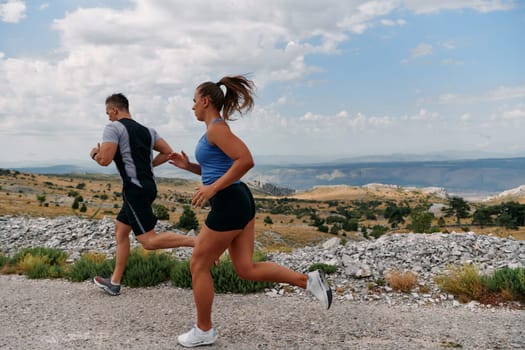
(231, 208)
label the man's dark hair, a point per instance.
(118, 100)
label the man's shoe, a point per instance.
(106, 285)
(196, 337)
(319, 288)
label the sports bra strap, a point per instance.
(216, 120)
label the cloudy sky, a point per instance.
(334, 78)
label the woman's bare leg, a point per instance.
(241, 252)
(209, 246)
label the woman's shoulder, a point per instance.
(217, 131)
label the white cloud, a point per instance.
(311, 116)
(282, 100)
(517, 113)
(506, 93)
(359, 18)
(157, 51)
(452, 62)
(392, 23)
(335, 174)
(422, 115)
(432, 6)
(342, 114)
(12, 11)
(502, 93)
(449, 45)
(422, 50)
(465, 117)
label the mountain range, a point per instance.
(467, 176)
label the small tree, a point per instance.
(322, 228)
(335, 229)
(483, 217)
(421, 220)
(188, 219)
(350, 225)
(268, 220)
(395, 214)
(378, 231)
(161, 212)
(459, 208)
(41, 198)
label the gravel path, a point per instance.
(57, 314)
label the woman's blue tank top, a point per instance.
(213, 161)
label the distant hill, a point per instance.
(473, 176)
(67, 169)
(483, 176)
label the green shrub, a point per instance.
(35, 267)
(328, 269)
(4, 260)
(268, 220)
(146, 268)
(466, 283)
(54, 256)
(188, 219)
(225, 279)
(88, 266)
(160, 211)
(378, 231)
(56, 271)
(508, 280)
(322, 228)
(180, 274)
(40, 262)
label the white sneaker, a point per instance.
(196, 337)
(319, 288)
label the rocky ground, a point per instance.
(56, 314)
(366, 314)
(361, 265)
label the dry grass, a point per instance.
(401, 281)
(371, 192)
(18, 197)
(507, 294)
(97, 258)
(30, 261)
(464, 281)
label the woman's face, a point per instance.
(199, 105)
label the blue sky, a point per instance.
(335, 78)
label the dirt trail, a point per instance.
(57, 314)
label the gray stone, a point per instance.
(359, 263)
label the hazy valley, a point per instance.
(465, 177)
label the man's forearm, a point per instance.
(160, 159)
